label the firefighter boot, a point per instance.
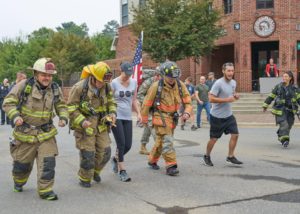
(49, 196)
(97, 177)
(18, 187)
(144, 150)
(172, 171)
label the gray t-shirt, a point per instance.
(123, 97)
(222, 89)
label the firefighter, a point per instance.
(30, 106)
(92, 111)
(163, 99)
(287, 99)
(149, 76)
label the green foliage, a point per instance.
(70, 53)
(103, 43)
(176, 29)
(70, 48)
(111, 28)
(72, 28)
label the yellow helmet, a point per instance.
(100, 71)
(86, 71)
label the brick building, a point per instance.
(254, 31)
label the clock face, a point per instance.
(264, 26)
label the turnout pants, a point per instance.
(94, 153)
(286, 121)
(24, 154)
(163, 146)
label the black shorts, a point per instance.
(218, 126)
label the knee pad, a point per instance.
(48, 168)
(21, 168)
(88, 160)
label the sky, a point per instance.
(21, 17)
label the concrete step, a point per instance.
(242, 111)
(249, 108)
(247, 104)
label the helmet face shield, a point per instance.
(170, 69)
(107, 77)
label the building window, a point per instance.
(227, 6)
(264, 4)
(124, 13)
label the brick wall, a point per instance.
(235, 45)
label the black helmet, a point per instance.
(170, 69)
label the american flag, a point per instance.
(137, 61)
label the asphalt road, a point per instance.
(268, 182)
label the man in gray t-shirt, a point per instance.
(222, 120)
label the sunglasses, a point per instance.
(125, 93)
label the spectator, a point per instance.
(4, 89)
(191, 88)
(271, 69)
(19, 76)
(210, 80)
(201, 95)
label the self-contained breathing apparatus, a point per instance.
(24, 97)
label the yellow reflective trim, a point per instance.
(276, 112)
(272, 95)
(38, 114)
(11, 113)
(20, 180)
(298, 96)
(97, 171)
(64, 114)
(47, 135)
(84, 179)
(79, 119)
(72, 108)
(265, 105)
(11, 100)
(45, 190)
(61, 106)
(23, 137)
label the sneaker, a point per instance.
(97, 178)
(207, 160)
(114, 163)
(50, 196)
(124, 176)
(233, 160)
(172, 171)
(85, 184)
(18, 188)
(285, 144)
(193, 128)
(153, 166)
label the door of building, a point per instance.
(261, 53)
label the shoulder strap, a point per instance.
(25, 92)
(85, 89)
(158, 93)
(55, 90)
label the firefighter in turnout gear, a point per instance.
(30, 106)
(150, 76)
(287, 99)
(92, 112)
(163, 100)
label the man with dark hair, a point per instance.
(222, 120)
(4, 89)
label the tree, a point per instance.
(72, 28)
(70, 53)
(111, 28)
(176, 29)
(103, 43)
(9, 57)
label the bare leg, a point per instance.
(232, 144)
(210, 145)
(121, 166)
